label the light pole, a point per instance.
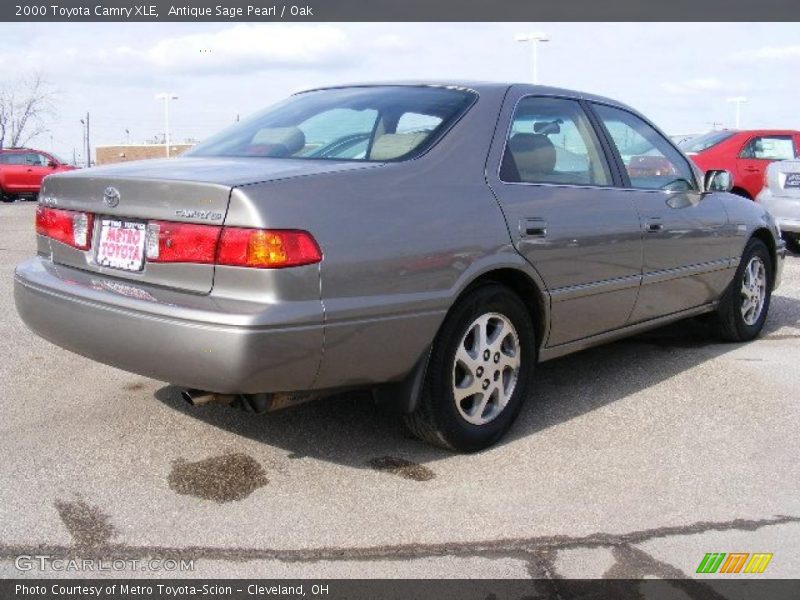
(166, 97)
(534, 39)
(738, 101)
(85, 124)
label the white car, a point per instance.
(781, 197)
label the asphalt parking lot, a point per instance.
(633, 460)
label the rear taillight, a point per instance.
(267, 248)
(66, 226)
(181, 242)
(172, 242)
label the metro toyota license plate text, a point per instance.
(121, 245)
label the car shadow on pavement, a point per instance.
(349, 429)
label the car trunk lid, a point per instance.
(133, 203)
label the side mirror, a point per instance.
(718, 180)
(52, 164)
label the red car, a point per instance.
(746, 154)
(22, 171)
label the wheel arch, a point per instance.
(403, 397)
(763, 234)
(525, 287)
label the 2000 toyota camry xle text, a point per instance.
(431, 242)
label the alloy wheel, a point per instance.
(754, 290)
(486, 368)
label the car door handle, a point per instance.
(654, 226)
(533, 228)
(752, 169)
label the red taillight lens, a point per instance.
(181, 242)
(66, 226)
(267, 248)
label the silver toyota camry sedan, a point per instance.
(428, 241)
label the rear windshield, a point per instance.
(705, 141)
(383, 123)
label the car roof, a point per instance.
(763, 131)
(481, 86)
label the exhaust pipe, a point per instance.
(201, 397)
(252, 403)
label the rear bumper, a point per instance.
(785, 210)
(201, 342)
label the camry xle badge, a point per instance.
(111, 196)
(207, 215)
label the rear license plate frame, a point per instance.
(119, 250)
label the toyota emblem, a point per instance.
(111, 196)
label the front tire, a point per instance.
(479, 371)
(744, 306)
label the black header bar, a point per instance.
(397, 10)
(402, 589)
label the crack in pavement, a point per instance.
(537, 552)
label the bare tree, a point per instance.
(25, 107)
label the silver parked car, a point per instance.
(431, 242)
(781, 197)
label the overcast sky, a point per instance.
(678, 74)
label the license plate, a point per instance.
(792, 180)
(121, 245)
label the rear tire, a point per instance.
(5, 197)
(744, 307)
(792, 242)
(479, 371)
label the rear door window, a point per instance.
(13, 158)
(552, 141)
(769, 147)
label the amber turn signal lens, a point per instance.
(267, 248)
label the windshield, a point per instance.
(370, 123)
(705, 141)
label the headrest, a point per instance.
(290, 138)
(533, 153)
(394, 145)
